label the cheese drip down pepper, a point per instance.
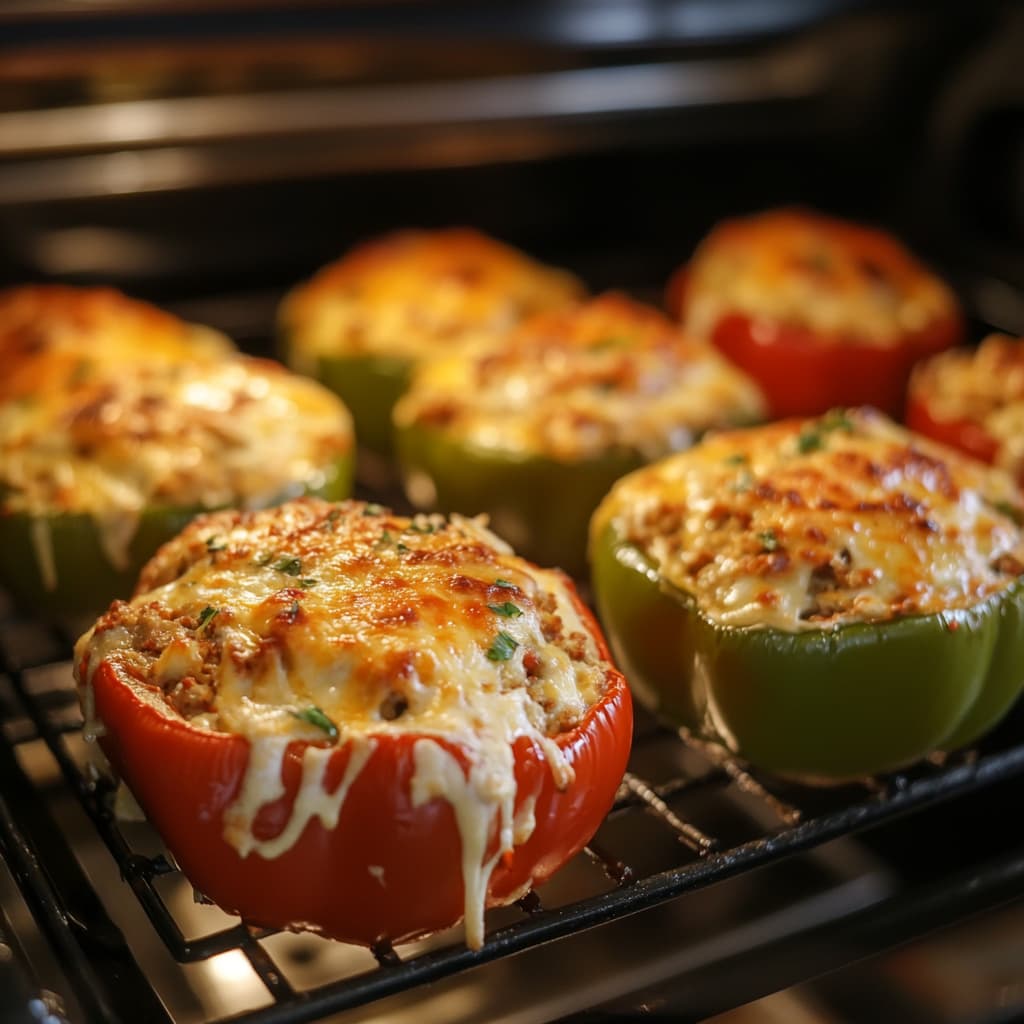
(828, 598)
(383, 724)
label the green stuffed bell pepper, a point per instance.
(362, 323)
(534, 431)
(828, 599)
(99, 471)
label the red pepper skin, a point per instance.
(388, 870)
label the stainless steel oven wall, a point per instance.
(186, 151)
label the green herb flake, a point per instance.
(206, 615)
(373, 509)
(422, 527)
(769, 542)
(1011, 511)
(308, 582)
(506, 609)
(215, 543)
(736, 459)
(314, 716)
(289, 566)
(331, 523)
(503, 647)
(814, 439)
(402, 547)
(81, 373)
(504, 584)
(611, 341)
(265, 560)
(808, 441)
(836, 419)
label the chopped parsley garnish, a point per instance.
(611, 341)
(1009, 510)
(206, 615)
(814, 437)
(503, 647)
(308, 582)
(289, 566)
(332, 518)
(314, 716)
(808, 441)
(215, 543)
(266, 559)
(373, 509)
(505, 584)
(402, 547)
(81, 372)
(737, 459)
(421, 527)
(769, 542)
(507, 609)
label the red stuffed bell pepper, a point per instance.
(973, 399)
(819, 311)
(377, 725)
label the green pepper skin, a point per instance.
(539, 505)
(369, 386)
(86, 580)
(814, 706)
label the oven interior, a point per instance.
(209, 157)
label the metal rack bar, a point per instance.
(710, 860)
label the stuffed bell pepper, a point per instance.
(535, 430)
(973, 399)
(828, 598)
(820, 311)
(379, 725)
(115, 431)
(362, 323)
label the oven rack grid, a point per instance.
(110, 985)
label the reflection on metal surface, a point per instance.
(152, 145)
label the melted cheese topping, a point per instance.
(133, 435)
(850, 282)
(291, 623)
(576, 383)
(53, 336)
(811, 524)
(404, 295)
(984, 386)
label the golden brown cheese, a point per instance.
(53, 335)
(812, 524)
(120, 437)
(796, 267)
(294, 622)
(408, 293)
(984, 386)
(574, 383)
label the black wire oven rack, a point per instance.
(672, 796)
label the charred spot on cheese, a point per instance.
(387, 642)
(399, 296)
(868, 523)
(555, 387)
